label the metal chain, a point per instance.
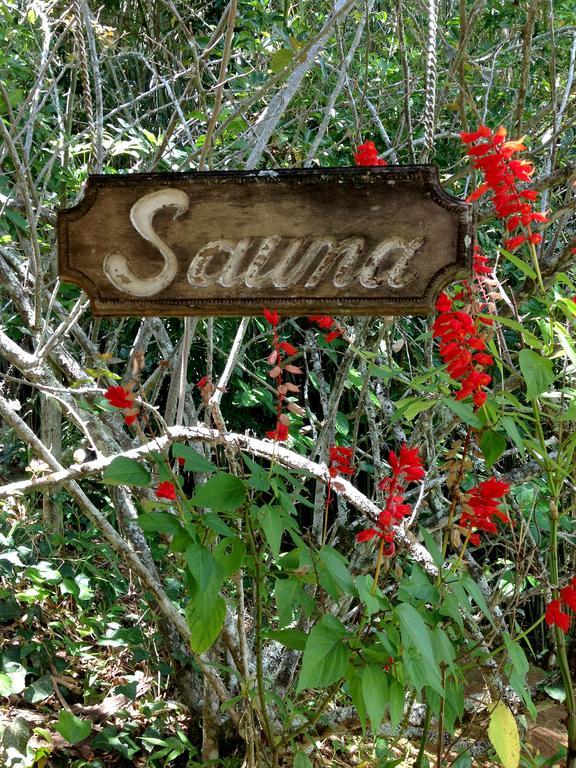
(430, 100)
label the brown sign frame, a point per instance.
(375, 215)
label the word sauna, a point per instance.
(355, 240)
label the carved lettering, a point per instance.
(116, 266)
(397, 276)
(266, 262)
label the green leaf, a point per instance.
(128, 689)
(538, 372)
(354, 681)
(415, 635)
(396, 695)
(513, 433)
(337, 566)
(206, 571)
(464, 411)
(410, 407)
(566, 343)
(375, 693)
(39, 690)
(159, 522)
(125, 471)
(504, 736)
(432, 547)
(205, 620)
(519, 263)
(301, 760)
(281, 59)
(223, 492)
(325, 657)
(286, 592)
(556, 692)
(72, 728)
(213, 521)
(492, 445)
(463, 761)
(12, 678)
(272, 521)
(194, 462)
(229, 553)
(476, 594)
(514, 325)
(259, 477)
(341, 423)
(372, 602)
(291, 638)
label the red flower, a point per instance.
(482, 505)
(407, 464)
(166, 490)
(367, 154)
(290, 349)
(556, 616)
(280, 433)
(203, 381)
(568, 596)
(493, 156)
(339, 463)
(406, 468)
(119, 397)
(272, 316)
(333, 335)
(459, 340)
(322, 321)
(131, 416)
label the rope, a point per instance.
(430, 99)
(84, 73)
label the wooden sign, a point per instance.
(380, 241)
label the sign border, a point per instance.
(427, 175)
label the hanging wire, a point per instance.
(431, 74)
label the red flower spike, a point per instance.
(322, 321)
(515, 242)
(366, 534)
(272, 316)
(119, 397)
(339, 461)
(279, 434)
(494, 157)
(166, 490)
(290, 349)
(483, 132)
(367, 155)
(130, 418)
(406, 468)
(202, 383)
(555, 616)
(568, 596)
(333, 335)
(482, 505)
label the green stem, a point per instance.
(537, 267)
(563, 663)
(258, 642)
(424, 737)
(378, 566)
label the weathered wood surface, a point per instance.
(380, 241)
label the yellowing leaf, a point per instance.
(503, 735)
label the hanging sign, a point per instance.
(381, 241)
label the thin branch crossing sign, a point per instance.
(380, 241)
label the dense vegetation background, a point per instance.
(103, 660)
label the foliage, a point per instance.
(237, 600)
